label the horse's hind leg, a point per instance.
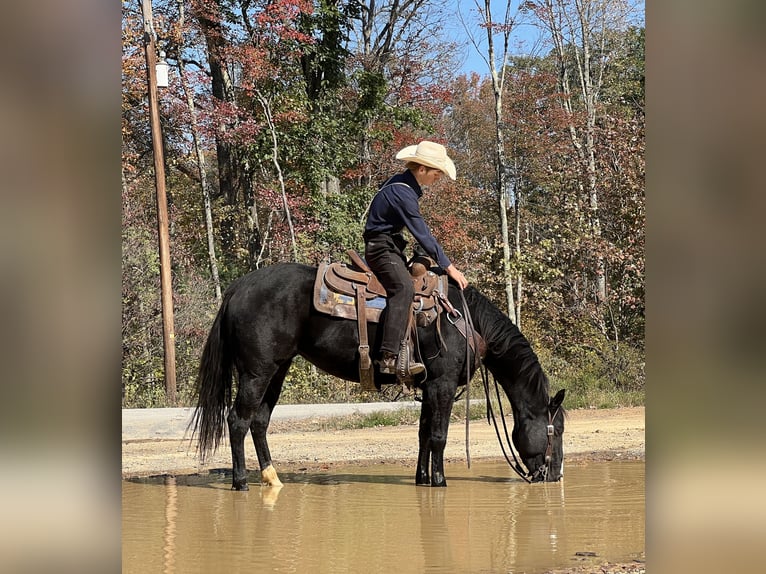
(260, 425)
(252, 389)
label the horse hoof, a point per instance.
(240, 486)
(269, 477)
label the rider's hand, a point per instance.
(459, 278)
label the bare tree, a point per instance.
(201, 166)
(233, 181)
(579, 31)
(497, 70)
(275, 159)
(390, 31)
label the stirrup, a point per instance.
(405, 367)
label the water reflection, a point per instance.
(374, 519)
(435, 540)
(171, 512)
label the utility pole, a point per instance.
(168, 331)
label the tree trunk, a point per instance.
(501, 173)
(275, 159)
(201, 166)
(582, 25)
(382, 26)
(229, 176)
(517, 247)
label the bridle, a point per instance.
(542, 470)
(541, 473)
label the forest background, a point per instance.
(282, 118)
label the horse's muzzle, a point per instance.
(544, 474)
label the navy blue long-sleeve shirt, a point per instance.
(396, 206)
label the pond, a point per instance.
(374, 519)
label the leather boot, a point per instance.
(387, 365)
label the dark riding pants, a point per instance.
(388, 262)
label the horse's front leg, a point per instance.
(440, 399)
(422, 477)
(439, 440)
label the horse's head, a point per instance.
(538, 438)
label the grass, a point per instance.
(400, 417)
(604, 399)
(591, 398)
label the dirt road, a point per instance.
(590, 435)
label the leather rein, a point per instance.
(541, 471)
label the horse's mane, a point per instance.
(507, 347)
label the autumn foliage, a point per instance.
(298, 119)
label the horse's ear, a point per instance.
(557, 400)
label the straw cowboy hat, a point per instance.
(429, 154)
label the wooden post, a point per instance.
(162, 208)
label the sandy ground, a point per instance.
(589, 435)
(302, 445)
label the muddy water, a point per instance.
(375, 520)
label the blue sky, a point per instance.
(526, 38)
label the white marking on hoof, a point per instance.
(269, 477)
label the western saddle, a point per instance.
(353, 292)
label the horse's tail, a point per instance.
(214, 384)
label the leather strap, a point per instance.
(365, 364)
(358, 261)
(471, 335)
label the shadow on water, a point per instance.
(216, 476)
(374, 519)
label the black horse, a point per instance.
(267, 318)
